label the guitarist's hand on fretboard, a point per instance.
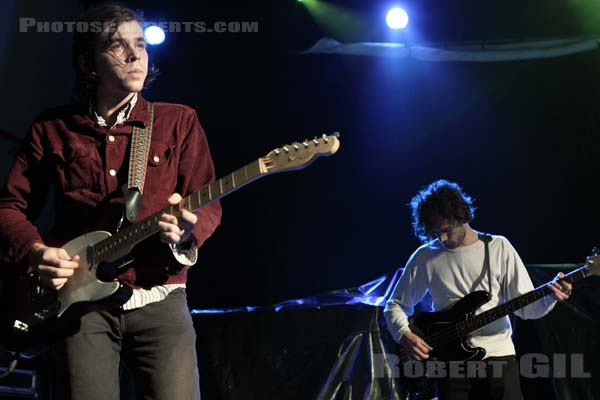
(561, 290)
(176, 229)
(414, 346)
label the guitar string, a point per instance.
(454, 332)
(449, 334)
(457, 330)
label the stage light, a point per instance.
(396, 18)
(154, 35)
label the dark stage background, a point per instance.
(521, 137)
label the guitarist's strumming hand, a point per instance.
(414, 346)
(560, 290)
(177, 229)
(53, 265)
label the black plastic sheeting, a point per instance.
(335, 347)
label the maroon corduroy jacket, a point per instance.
(88, 164)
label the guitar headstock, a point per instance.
(593, 262)
(299, 155)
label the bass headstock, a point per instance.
(593, 262)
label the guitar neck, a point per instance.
(472, 324)
(290, 157)
(121, 242)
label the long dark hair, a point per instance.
(440, 200)
(95, 27)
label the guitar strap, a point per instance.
(138, 161)
(486, 239)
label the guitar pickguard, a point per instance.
(84, 285)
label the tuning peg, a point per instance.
(305, 143)
(325, 138)
(277, 151)
(316, 141)
(286, 149)
(295, 146)
(336, 134)
(595, 251)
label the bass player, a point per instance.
(452, 264)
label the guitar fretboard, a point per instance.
(472, 324)
(121, 242)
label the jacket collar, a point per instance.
(139, 116)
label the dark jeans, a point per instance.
(502, 385)
(156, 343)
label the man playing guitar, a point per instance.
(82, 150)
(456, 261)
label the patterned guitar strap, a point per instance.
(486, 239)
(138, 161)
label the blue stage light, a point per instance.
(154, 35)
(396, 18)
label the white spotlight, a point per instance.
(154, 35)
(396, 18)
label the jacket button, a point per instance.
(112, 172)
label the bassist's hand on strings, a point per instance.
(53, 265)
(561, 290)
(177, 229)
(414, 346)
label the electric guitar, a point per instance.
(447, 331)
(33, 308)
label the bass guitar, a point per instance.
(447, 332)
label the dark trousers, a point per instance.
(156, 343)
(500, 382)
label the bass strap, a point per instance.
(486, 239)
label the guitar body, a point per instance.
(427, 325)
(431, 327)
(31, 310)
(84, 285)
